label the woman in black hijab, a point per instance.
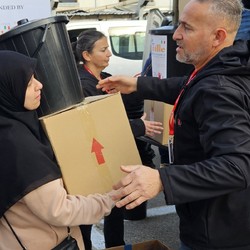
(32, 196)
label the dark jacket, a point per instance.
(246, 4)
(209, 180)
(134, 108)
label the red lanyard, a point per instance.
(92, 74)
(89, 70)
(171, 118)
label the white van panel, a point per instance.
(126, 39)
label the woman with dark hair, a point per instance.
(92, 55)
(34, 203)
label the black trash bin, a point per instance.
(174, 67)
(47, 40)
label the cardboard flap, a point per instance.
(90, 99)
(147, 245)
(86, 100)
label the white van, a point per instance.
(126, 39)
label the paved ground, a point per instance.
(160, 224)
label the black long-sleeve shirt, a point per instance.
(209, 181)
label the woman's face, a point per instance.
(33, 94)
(99, 57)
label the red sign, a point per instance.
(97, 149)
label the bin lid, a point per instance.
(163, 30)
(31, 25)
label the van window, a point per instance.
(127, 42)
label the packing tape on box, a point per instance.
(103, 166)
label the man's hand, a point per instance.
(114, 84)
(141, 184)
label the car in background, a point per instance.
(126, 39)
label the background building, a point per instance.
(104, 10)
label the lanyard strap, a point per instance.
(171, 118)
(89, 70)
(93, 75)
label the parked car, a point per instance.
(126, 39)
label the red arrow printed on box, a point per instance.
(97, 149)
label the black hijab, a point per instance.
(26, 157)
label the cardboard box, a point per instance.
(147, 245)
(91, 141)
(159, 111)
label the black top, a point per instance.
(209, 181)
(246, 4)
(26, 157)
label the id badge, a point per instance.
(171, 149)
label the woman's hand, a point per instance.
(151, 127)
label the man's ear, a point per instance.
(220, 37)
(86, 56)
